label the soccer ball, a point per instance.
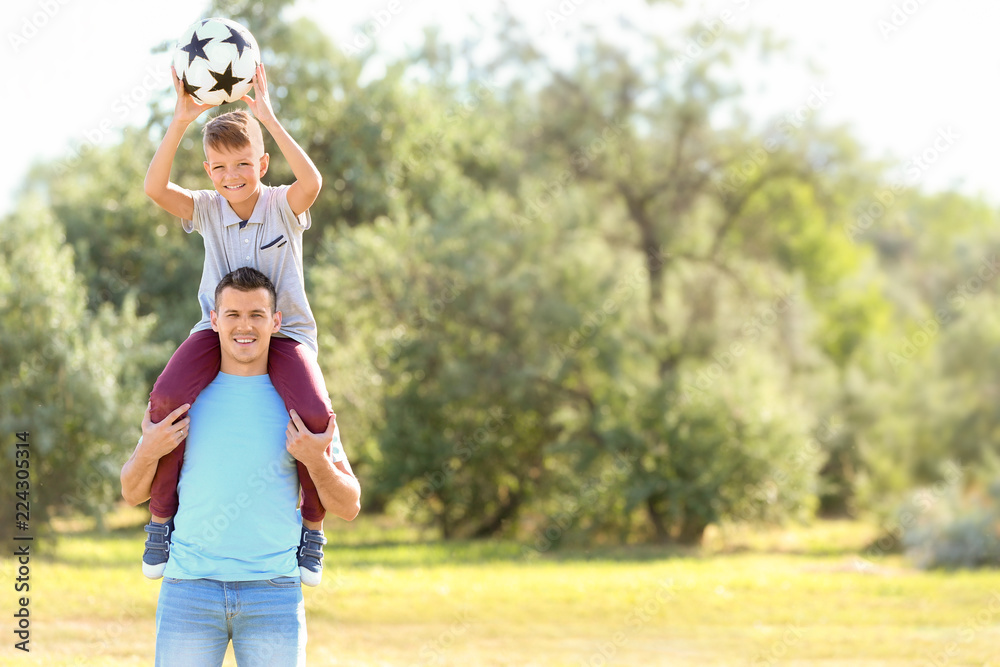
(215, 60)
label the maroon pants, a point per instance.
(295, 375)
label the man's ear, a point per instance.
(277, 321)
(265, 160)
(214, 317)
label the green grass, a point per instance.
(790, 597)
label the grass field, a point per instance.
(790, 597)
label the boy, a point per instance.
(244, 223)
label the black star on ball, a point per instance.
(225, 80)
(237, 39)
(188, 88)
(196, 47)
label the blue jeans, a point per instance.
(196, 618)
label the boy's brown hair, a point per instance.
(232, 131)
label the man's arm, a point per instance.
(308, 181)
(168, 195)
(156, 441)
(338, 488)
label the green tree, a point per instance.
(73, 379)
(123, 245)
(594, 301)
(727, 221)
(936, 395)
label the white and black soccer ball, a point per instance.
(215, 60)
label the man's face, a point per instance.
(236, 173)
(245, 323)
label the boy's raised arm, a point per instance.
(168, 195)
(308, 181)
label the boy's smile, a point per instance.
(236, 175)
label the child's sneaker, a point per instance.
(311, 556)
(154, 558)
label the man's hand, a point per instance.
(162, 438)
(186, 110)
(157, 440)
(306, 446)
(338, 488)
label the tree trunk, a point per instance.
(492, 526)
(657, 519)
(692, 529)
(445, 525)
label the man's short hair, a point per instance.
(232, 131)
(246, 279)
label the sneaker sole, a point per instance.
(153, 571)
(310, 578)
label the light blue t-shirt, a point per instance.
(237, 518)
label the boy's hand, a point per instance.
(308, 181)
(260, 106)
(186, 110)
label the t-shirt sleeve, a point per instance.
(336, 448)
(203, 200)
(279, 203)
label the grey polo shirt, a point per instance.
(269, 241)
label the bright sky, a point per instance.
(903, 73)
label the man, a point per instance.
(233, 571)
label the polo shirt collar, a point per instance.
(229, 216)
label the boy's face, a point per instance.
(236, 173)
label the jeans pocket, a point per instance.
(171, 580)
(285, 582)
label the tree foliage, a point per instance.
(589, 301)
(73, 378)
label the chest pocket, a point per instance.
(271, 243)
